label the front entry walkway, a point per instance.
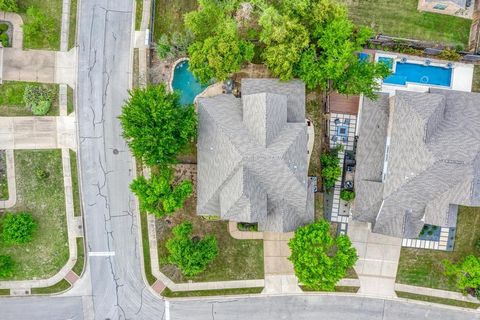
(377, 260)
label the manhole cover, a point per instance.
(115, 151)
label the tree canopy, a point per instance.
(466, 273)
(156, 126)
(191, 256)
(319, 259)
(320, 44)
(310, 39)
(159, 195)
(217, 50)
(331, 169)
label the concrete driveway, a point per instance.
(377, 259)
(37, 132)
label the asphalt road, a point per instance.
(118, 290)
(115, 286)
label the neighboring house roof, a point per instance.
(418, 156)
(252, 156)
(459, 3)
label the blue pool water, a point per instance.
(418, 73)
(184, 82)
(363, 56)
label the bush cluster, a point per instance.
(190, 254)
(347, 195)
(38, 99)
(331, 170)
(17, 229)
(3, 35)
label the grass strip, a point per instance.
(56, 288)
(203, 293)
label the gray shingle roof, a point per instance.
(252, 156)
(432, 162)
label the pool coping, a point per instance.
(416, 60)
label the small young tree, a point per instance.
(331, 170)
(191, 256)
(38, 99)
(319, 259)
(156, 126)
(8, 5)
(466, 273)
(158, 195)
(18, 228)
(347, 195)
(6, 266)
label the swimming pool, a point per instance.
(418, 73)
(184, 82)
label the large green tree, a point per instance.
(159, 195)
(156, 126)
(217, 50)
(319, 259)
(191, 256)
(315, 41)
(466, 274)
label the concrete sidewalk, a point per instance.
(39, 66)
(37, 132)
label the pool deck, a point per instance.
(462, 75)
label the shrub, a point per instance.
(331, 170)
(466, 273)
(4, 40)
(449, 54)
(319, 259)
(38, 99)
(159, 195)
(6, 266)
(3, 27)
(191, 256)
(347, 195)
(41, 174)
(18, 228)
(477, 244)
(8, 5)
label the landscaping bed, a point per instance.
(237, 259)
(423, 267)
(11, 99)
(402, 19)
(3, 176)
(44, 198)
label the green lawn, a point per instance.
(70, 97)
(476, 79)
(169, 15)
(11, 99)
(78, 267)
(337, 289)
(53, 11)
(237, 259)
(56, 288)
(75, 189)
(138, 13)
(45, 200)
(450, 302)
(3, 176)
(72, 28)
(421, 267)
(202, 293)
(402, 19)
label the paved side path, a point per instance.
(378, 260)
(12, 186)
(434, 292)
(37, 132)
(65, 25)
